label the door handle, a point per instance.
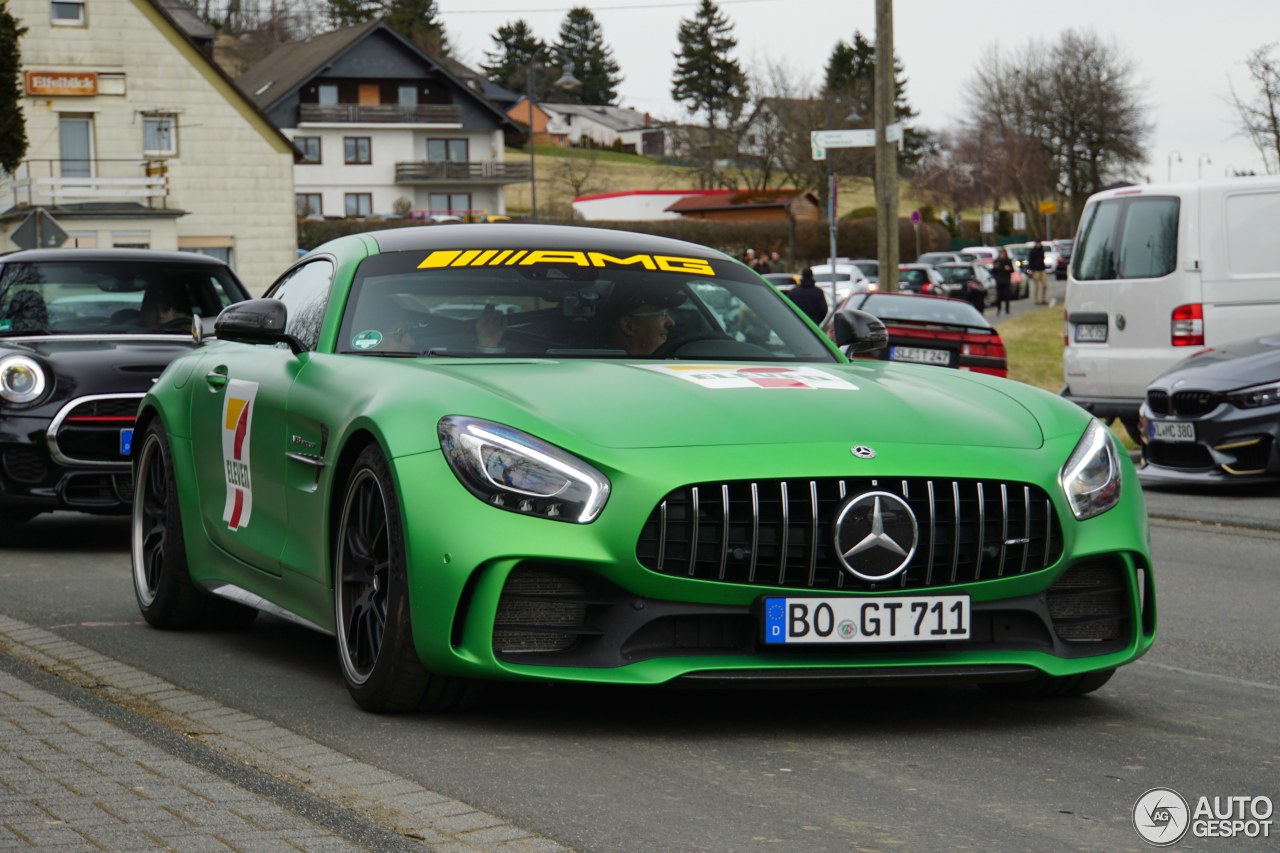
(216, 379)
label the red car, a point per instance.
(932, 330)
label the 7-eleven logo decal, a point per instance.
(237, 418)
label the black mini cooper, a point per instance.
(83, 335)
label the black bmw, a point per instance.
(1215, 417)
(83, 335)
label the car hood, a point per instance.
(672, 404)
(1235, 365)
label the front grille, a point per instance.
(1088, 604)
(88, 431)
(1194, 403)
(781, 532)
(25, 465)
(1158, 402)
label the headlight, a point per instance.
(21, 379)
(1255, 396)
(517, 472)
(1091, 476)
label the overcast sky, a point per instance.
(1187, 53)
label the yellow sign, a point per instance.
(61, 82)
(1048, 207)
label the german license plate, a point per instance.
(920, 355)
(897, 619)
(1172, 431)
(126, 441)
(1091, 333)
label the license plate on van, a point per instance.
(1091, 333)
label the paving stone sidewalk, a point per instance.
(98, 755)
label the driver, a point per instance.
(639, 318)
(160, 307)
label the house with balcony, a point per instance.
(382, 128)
(136, 138)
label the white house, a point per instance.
(138, 139)
(383, 128)
(604, 125)
(633, 205)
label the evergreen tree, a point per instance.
(516, 49)
(582, 43)
(417, 20)
(13, 130)
(851, 77)
(708, 81)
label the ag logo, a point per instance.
(876, 536)
(1161, 817)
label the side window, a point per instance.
(1096, 256)
(1149, 238)
(305, 293)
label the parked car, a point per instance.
(83, 335)
(560, 506)
(1063, 259)
(983, 253)
(870, 268)
(784, 281)
(847, 278)
(1162, 270)
(1214, 417)
(956, 277)
(920, 278)
(934, 330)
(946, 258)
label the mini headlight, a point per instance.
(1091, 476)
(1255, 396)
(21, 379)
(514, 471)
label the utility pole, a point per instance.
(886, 152)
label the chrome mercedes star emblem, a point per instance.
(875, 536)
(863, 452)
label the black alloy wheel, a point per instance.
(371, 601)
(167, 598)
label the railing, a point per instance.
(380, 113)
(480, 171)
(47, 182)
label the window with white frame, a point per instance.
(67, 12)
(160, 134)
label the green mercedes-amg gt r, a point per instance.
(569, 454)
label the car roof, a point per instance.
(134, 255)
(490, 235)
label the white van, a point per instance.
(1161, 271)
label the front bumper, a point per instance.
(79, 473)
(1232, 445)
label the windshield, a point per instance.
(401, 304)
(957, 273)
(80, 296)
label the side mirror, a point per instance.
(859, 331)
(256, 321)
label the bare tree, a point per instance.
(577, 174)
(1260, 113)
(1062, 119)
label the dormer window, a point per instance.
(67, 13)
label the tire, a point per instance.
(162, 582)
(1051, 687)
(371, 601)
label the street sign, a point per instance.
(39, 231)
(821, 140)
(915, 217)
(1048, 207)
